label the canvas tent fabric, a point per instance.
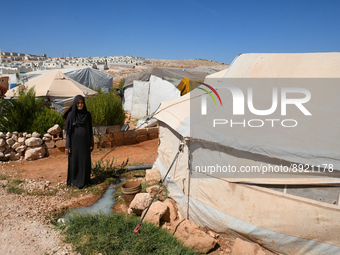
(147, 96)
(86, 76)
(57, 86)
(255, 208)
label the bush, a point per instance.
(45, 119)
(18, 115)
(121, 83)
(26, 114)
(106, 109)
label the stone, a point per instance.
(46, 138)
(50, 144)
(15, 133)
(61, 143)
(47, 135)
(9, 134)
(10, 141)
(15, 137)
(156, 212)
(21, 148)
(141, 138)
(2, 135)
(202, 244)
(16, 156)
(242, 247)
(24, 134)
(28, 136)
(2, 142)
(2, 155)
(153, 189)
(101, 130)
(190, 234)
(173, 216)
(35, 153)
(15, 145)
(34, 141)
(2, 149)
(119, 136)
(113, 129)
(152, 176)
(56, 129)
(36, 135)
(64, 134)
(9, 154)
(21, 140)
(140, 202)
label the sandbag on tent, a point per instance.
(299, 214)
(86, 76)
(57, 86)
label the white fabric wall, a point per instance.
(161, 90)
(127, 99)
(140, 97)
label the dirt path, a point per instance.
(24, 228)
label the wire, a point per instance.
(138, 227)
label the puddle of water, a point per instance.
(103, 205)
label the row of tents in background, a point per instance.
(142, 92)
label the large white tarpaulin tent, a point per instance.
(296, 214)
(57, 86)
(86, 76)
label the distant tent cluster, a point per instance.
(144, 91)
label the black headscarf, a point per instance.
(77, 117)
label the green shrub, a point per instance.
(18, 115)
(106, 109)
(120, 85)
(44, 119)
(27, 114)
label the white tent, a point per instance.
(298, 213)
(57, 86)
(144, 97)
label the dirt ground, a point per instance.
(24, 228)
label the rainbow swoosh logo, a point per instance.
(208, 86)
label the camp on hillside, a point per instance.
(59, 88)
(143, 92)
(86, 76)
(298, 213)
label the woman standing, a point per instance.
(79, 143)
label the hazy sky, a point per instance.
(185, 29)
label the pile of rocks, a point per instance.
(166, 215)
(19, 146)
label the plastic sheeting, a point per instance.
(172, 75)
(87, 76)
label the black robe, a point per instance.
(79, 140)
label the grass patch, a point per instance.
(103, 170)
(110, 234)
(3, 177)
(13, 187)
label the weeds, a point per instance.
(13, 187)
(108, 169)
(110, 234)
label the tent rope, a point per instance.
(138, 227)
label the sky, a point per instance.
(217, 30)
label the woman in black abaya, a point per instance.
(79, 143)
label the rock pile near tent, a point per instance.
(25, 146)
